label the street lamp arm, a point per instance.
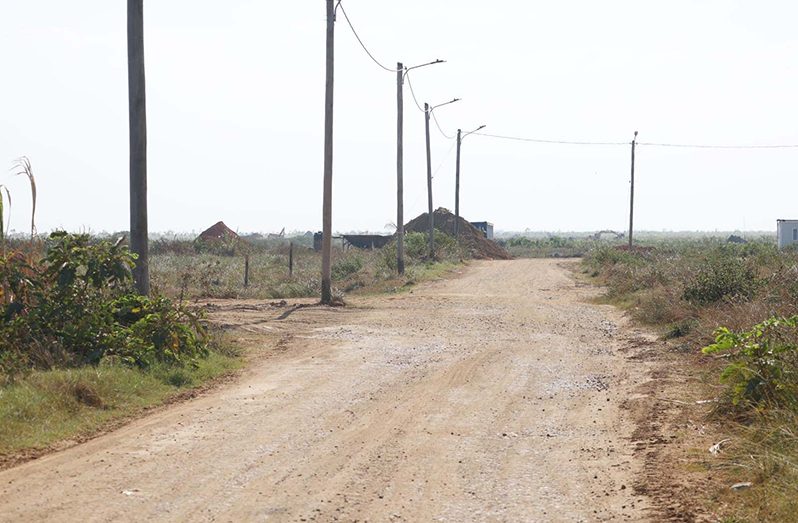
(445, 103)
(408, 69)
(474, 131)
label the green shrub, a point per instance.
(417, 246)
(763, 368)
(346, 266)
(77, 306)
(720, 277)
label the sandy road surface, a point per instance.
(493, 396)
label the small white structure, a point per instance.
(786, 232)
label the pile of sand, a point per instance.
(218, 232)
(470, 238)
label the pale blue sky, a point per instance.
(235, 109)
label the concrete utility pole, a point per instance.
(137, 114)
(460, 138)
(401, 72)
(400, 218)
(429, 186)
(427, 113)
(326, 240)
(457, 186)
(632, 193)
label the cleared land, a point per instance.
(499, 395)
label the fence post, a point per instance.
(246, 270)
(291, 259)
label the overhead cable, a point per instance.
(697, 146)
(412, 92)
(360, 41)
(537, 140)
(438, 125)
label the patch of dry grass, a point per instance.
(687, 290)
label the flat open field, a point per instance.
(501, 394)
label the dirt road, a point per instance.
(492, 396)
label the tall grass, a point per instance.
(179, 271)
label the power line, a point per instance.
(536, 140)
(648, 144)
(420, 192)
(438, 125)
(412, 92)
(390, 70)
(697, 146)
(445, 158)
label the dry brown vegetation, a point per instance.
(688, 290)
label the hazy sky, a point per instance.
(236, 109)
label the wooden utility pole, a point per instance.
(457, 187)
(400, 218)
(632, 193)
(137, 111)
(429, 187)
(326, 240)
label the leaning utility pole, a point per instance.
(137, 113)
(457, 187)
(632, 193)
(400, 223)
(429, 187)
(326, 241)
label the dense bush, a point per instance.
(347, 265)
(721, 277)
(417, 246)
(76, 306)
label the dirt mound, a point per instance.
(470, 238)
(218, 232)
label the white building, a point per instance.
(786, 232)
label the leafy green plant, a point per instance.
(154, 330)
(417, 246)
(763, 368)
(76, 306)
